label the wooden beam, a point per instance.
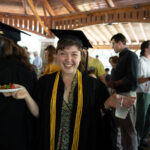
(68, 6)
(133, 32)
(38, 17)
(93, 35)
(112, 29)
(110, 3)
(104, 29)
(143, 32)
(88, 35)
(96, 33)
(44, 10)
(49, 8)
(100, 34)
(129, 14)
(24, 6)
(37, 3)
(108, 47)
(124, 32)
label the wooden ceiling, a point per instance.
(99, 19)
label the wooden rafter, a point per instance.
(105, 30)
(110, 3)
(93, 35)
(24, 3)
(49, 8)
(106, 47)
(100, 34)
(114, 15)
(143, 32)
(68, 6)
(38, 17)
(96, 34)
(88, 35)
(112, 29)
(44, 10)
(37, 3)
(133, 32)
(125, 32)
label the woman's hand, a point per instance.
(22, 93)
(117, 100)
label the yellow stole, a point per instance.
(78, 113)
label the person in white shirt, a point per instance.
(37, 62)
(143, 95)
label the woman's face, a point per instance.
(112, 63)
(69, 59)
(46, 55)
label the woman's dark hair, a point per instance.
(119, 37)
(114, 59)
(62, 44)
(9, 49)
(51, 50)
(106, 69)
(144, 45)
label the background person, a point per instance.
(91, 72)
(97, 57)
(97, 65)
(113, 60)
(50, 56)
(125, 83)
(17, 121)
(108, 76)
(37, 62)
(143, 95)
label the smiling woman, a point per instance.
(69, 59)
(70, 102)
(74, 100)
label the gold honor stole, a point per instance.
(78, 113)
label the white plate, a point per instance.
(9, 90)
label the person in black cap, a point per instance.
(70, 102)
(11, 32)
(17, 121)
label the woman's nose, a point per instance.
(68, 57)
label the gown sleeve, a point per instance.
(108, 120)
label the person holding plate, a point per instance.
(70, 102)
(17, 117)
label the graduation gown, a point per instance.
(16, 122)
(92, 127)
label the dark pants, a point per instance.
(143, 116)
(128, 135)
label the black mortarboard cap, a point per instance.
(10, 32)
(74, 35)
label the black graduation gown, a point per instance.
(16, 122)
(92, 132)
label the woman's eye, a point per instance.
(74, 54)
(62, 53)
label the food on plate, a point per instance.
(7, 86)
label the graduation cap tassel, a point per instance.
(86, 64)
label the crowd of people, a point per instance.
(72, 104)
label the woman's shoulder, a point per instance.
(94, 80)
(93, 83)
(47, 77)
